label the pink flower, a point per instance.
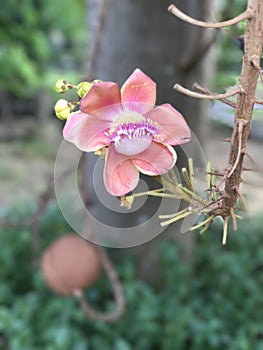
(138, 136)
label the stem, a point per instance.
(181, 215)
(117, 290)
(169, 216)
(203, 223)
(253, 39)
(225, 231)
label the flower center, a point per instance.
(133, 135)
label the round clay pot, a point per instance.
(69, 264)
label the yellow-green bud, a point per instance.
(83, 88)
(61, 85)
(62, 109)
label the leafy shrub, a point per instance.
(215, 304)
(33, 32)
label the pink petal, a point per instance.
(175, 130)
(138, 93)
(120, 174)
(103, 99)
(156, 160)
(86, 131)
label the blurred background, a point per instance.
(181, 291)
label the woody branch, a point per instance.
(253, 42)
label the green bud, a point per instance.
(83, 88)
(62, 109)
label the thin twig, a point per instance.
(225, 231)
(117, 290)
(205, 91)
(256, 168)
(178, 13)
(244, 202)
(233, 217)
(190, 93)
(259, 102)
(116, 286)
(107, 265)
(179, 216)
(240, 132)
(215, 174)
(226, 140)
(203, 223)
(201, 210)
(169, 216)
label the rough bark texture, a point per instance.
(245, 103)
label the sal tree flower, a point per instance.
(137, 136)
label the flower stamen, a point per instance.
(130, 136)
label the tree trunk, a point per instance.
(142, 34)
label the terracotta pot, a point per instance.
(69, 264)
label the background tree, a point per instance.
(141, 34)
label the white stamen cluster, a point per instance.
(133, 130)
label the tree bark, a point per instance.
(142, 34)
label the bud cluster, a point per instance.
(63, 108)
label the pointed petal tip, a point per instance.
(139, 88)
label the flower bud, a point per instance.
(83, 88)
(61, 86)
(62, 109)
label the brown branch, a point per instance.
(253, 39)
(179, 14)
(240, 132)
(190, 93)
(205, 91)
(106, 263)
(117, 290)
(259, 102)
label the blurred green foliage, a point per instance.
(37, 39)
(229, 53)
(215, 304)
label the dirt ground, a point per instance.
(26, 165)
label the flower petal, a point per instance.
(103, 99)
(86, 131)
(156, 160)
(138, 93)
(120, 174)
(175, 130)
